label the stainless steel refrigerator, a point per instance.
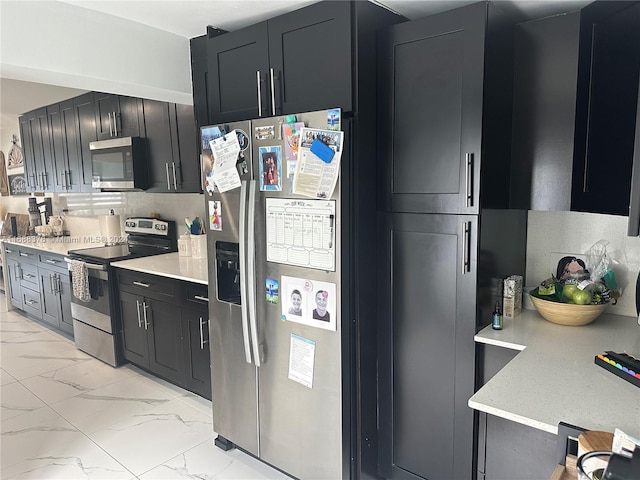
(264, 240)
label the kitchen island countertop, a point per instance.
(170, 265)
(554, 377)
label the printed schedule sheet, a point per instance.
(301, 232)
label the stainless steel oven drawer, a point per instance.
(95, 342)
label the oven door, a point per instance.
(97, 311)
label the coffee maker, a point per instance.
(35, 218)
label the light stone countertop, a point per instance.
(554, 377)
(57, 245)
(170, 265)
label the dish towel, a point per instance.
(80, 280)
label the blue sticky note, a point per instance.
(320, 150)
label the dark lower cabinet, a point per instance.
(39, 284)
(55, 288)
(427, 310)
(152, 335)
(508, 450)
(165, 328)
(199, 362)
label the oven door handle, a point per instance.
(91, 266)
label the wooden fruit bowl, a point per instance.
(567, 313)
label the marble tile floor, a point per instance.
(66, 415)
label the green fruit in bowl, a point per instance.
(582, 297)
(570, 290)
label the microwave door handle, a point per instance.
(243, 271)
(251, 274)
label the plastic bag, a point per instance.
(601, 267)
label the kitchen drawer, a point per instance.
(54, 262)
(29, 275)
(27, 255)
(152, 286)
(31, 302)
(195, 295)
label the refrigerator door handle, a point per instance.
(251, 273)
(243, 271)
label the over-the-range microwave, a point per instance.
(119, 164)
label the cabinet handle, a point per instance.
(29, 275)
(202, 340)
(30, 302)
(469, 179)
(115, 124)
(8, 251)
(138, 312)
(45, 180)
(25, 254)
(140, 284)
(144, 312)
(198, 297)
(17, 272)
(51, 287)
(466, 230)
(32, 176)
(259, 94)
(67, 176)
(58, 284)
(175, 181)
(63, 179)
(53, 262)
(110, 126)
(273, 94)
(166, 167)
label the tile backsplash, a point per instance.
(83, 209)
(577, 232)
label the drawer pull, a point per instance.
(53, 262)
(8, 251)
(31, 302)
(141, 284)
(198, 297)
(24, 254)
(29, 275)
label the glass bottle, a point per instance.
(496, 317)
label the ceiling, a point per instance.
(189, 18)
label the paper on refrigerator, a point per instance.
(314, 177)
(225, 151)
(302, 353)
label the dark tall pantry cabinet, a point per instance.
(446, 236)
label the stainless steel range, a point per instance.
(96, 326)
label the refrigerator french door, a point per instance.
(256, 406)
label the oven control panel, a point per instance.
(149, 226)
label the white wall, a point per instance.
(61, 44)
(550, 234)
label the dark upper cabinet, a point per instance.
(27, 152)
(238, 66)
(199, 80)
(67, 164)
(117, 116)
(575, 107)
(442, 80)
(172, 150)
(300, 61)
(38, 158)
(310, 50)
(84, 111)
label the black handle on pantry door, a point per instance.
(466, 237)
(468, 179)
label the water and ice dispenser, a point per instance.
(228, 272)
